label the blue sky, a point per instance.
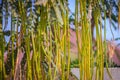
(0, 1)
(108, 32)
(72, 5)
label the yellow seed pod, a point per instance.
(0, 27)
(41, 2)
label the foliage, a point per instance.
(39, 45)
